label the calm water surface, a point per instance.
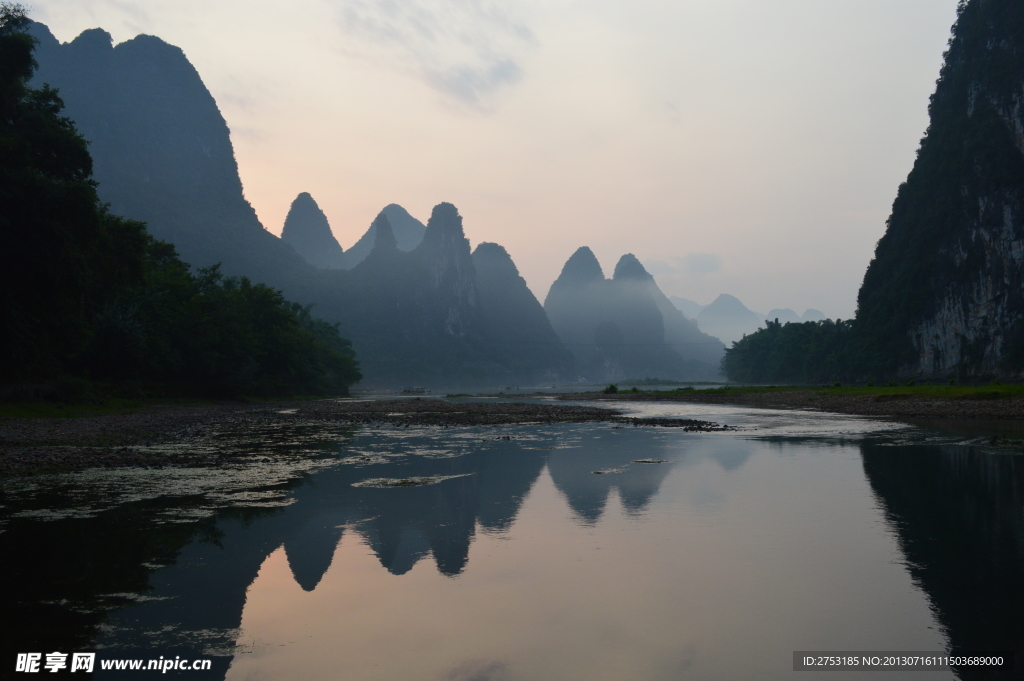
(535, 552)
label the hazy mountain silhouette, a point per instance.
(514, 322)
(812, 315)
(688, 307)
(625, 327)
(163, 154)
(437, 316)
(307, 231)
(728, 319)
(408, 232)
(784, 316)
(681, 334)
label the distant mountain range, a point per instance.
(413, 302)
(418, 304)
(728, 319)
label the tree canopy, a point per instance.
(810, 352)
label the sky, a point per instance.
(749, 147)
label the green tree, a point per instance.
(811, 352)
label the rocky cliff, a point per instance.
(449, 285)
(944, 294)
(307, 230)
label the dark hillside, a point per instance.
(944, 294)
(162, 152)
(91, 300)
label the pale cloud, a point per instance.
(465, 49)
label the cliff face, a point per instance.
(944, 294)
(307, 231)
(450, 278)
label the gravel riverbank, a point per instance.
(29, 445)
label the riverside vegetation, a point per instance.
(92, 301)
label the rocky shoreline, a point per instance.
(39, 445)
(894, 405)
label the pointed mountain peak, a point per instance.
(445, 218)
(494, 258)
(307, 230)
(93, 40)
(629, 267)
(727, 302)
(408, 230)
(304, 202)
(581, 268)
(384, 235)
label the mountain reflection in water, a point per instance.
(731, 549)
(139, 583)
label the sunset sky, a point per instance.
(750, 147)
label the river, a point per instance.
(556, 552)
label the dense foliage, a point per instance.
(84, 292)
(810, 352)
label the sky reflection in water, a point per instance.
(799, 531)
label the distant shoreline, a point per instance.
(987, 403)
